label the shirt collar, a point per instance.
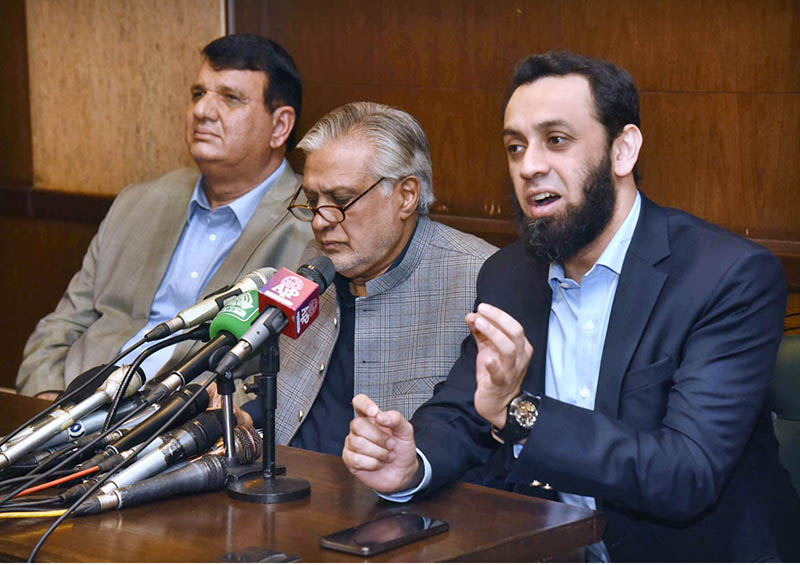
(243, 207)
(613, 255)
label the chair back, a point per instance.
(785, 402)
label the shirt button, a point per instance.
(299, 415)
(194, 274)
(335, 322)
(584, 392)
(564, 285)
(588, 326)
(212, 237)
(321, 368)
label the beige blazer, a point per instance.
(109, 299)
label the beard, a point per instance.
(558, 239)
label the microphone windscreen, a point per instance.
(91, 375)
(237, 316)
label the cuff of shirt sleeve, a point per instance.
(405, 495)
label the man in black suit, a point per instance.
(620, 352)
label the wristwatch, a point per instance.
(520, 417)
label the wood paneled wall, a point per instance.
(109, 87)
(719, 83)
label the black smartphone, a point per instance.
(384, 533)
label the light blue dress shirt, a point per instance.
(206, 240)
(579, 315)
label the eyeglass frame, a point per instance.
(314, 211)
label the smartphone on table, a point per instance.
(384, 533)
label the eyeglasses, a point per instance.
(329, 212)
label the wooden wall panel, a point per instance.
(719, 84)
(732, 158)
(109, 86)
(692, 45)
(39, 259)
(15, 125)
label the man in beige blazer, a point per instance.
(167, 243)
(392, 323)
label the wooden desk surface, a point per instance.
(485, 524)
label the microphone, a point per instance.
(226, 328)
(211, 305)
(247, 445)
(187, 440)
(291, 297)
(61, 418)
(207, 473)
(141, 431)
(86, 425)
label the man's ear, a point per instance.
(283, 118)
(409, 192)
(625, 150)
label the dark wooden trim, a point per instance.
(37, 203)
(249, 16)
(41, 204)
(503, 230)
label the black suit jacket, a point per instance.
(679, 450)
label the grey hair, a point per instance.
(401, 147)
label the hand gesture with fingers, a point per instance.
(380, 449)
(503, 357)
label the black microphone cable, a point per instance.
(105, 371)
(35, 476)
(200, 333)
(119, 465)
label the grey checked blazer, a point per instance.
(109, 299)
(408, 330)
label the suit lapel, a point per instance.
(163, 239)
(529, 278)
(639, 286)
(540, 318)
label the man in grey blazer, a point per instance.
(166, 243)
(391, 324)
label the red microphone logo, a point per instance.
(296, 296)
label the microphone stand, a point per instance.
(269, 485)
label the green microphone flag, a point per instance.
(237, 316)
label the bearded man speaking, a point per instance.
(620, 354)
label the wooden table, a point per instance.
(485, 524)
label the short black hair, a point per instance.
(614, 93)
(245, 51)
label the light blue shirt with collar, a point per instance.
(205, 242)
(576, 334)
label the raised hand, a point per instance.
(380, 449)
(503, 357)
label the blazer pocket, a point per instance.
(649, 375)
(643, 399)
(416, 385)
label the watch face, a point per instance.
(525, 413)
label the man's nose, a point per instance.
(534, 162)
(320, 224)
(206, 107)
